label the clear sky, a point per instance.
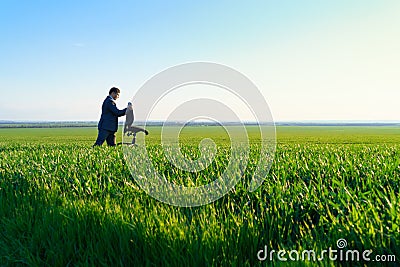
(312, 60)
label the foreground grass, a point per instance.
(64, 203)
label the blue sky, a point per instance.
(312, 60)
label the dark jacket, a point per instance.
(109, 115)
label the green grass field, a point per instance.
(65, 203)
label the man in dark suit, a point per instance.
(108, 124)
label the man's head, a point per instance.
(114, 92)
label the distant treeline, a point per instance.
(338, 124)
(46, 124)
(58, 124)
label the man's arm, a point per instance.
(114, 110)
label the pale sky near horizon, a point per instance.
(312, 60)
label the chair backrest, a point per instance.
(128, 119)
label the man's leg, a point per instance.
(101, 137)
(111, 139)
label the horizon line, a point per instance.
(159, 121)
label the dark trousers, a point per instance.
(105, 135)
